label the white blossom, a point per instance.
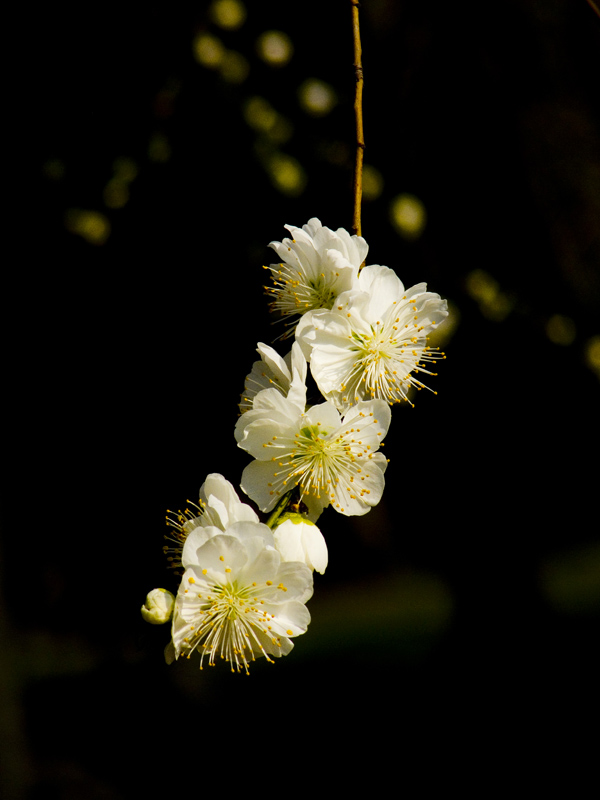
(273, 371)
(373, 342)
(218, 506)
(299, 539)
(238, 599)
(316, 265)
(331, 459)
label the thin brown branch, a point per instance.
(593, 6)
(360, 139)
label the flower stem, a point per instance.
(279, 509)
(360, 139)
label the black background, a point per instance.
(456, 619)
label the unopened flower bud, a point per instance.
(158, 607)
(298, 539)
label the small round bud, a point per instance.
(299, 539)
(158, 607)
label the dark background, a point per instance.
(458, 618)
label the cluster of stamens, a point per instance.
(317, 463)
(180, 523)
(230, 622)
(295, 293)
(386, 360)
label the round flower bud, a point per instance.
(298, 539)
(158, 607)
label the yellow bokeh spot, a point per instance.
(408, 215)
(260, 114)
(116, 193)
(592, 354)
(317, 97)
(125, 169)
(159, 149)
(287, 175)
(570, 581)
(262, 117)
(482, 286)
(208, 50)
(499, 309)
(493, 303)
(92, 226)
(234, 67)
(275, 47)
(228, 14)
(54, 169)
(372, 183)
(560, 329)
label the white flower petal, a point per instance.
(196, 539)
(318, 452)
(255, 436)
(259, 481)
(276, 363)
(373, 342)
(316, 265)
(239, 601)
(222, 506)
(301, 541)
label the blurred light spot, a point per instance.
(408, 215)
(481, 286)
(159, 149)
(493, 303)
(234, 67)
(262, 117)
(405, 613)
(229, 14)
(275, 48)
(317, 97)
(116, 193)
(571, 581)
(560, 330)
(499, 309)
(92, 226)
(282, 130)
(54, 169)
(287, 175)
(372, 182)
(208, 50)
(260, 114)
(592, 354)
(125, 169)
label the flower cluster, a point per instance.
(246, 578)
